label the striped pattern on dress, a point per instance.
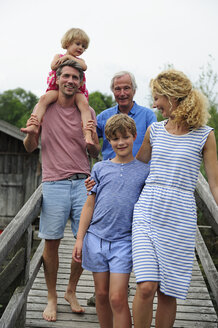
(164, 222)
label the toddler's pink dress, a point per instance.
(51, 82)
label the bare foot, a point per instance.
(75, 307)
(32, 129)
(50, 311)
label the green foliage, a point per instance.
(208, 84)
(16, 106)
(99, 101)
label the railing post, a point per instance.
(27, 242)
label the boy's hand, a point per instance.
(89, 184)
(77, 251)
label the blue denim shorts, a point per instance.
(99, 255)
(61, 200)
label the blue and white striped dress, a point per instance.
(164, 221)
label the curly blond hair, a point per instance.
(193, 105)
(119, 123)
(74, 34)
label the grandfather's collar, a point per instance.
(132, 110)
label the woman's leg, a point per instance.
(103, 308)
(166, 311)
(119, 300)
(143, 304)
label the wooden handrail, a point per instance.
(206, 203)
(16, 271)
(207, 263)
(15, 229)
(18, 300)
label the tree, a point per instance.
(16, 106)
(208, 84)
(99, 101)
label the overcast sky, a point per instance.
(138, 35)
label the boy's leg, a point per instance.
(40, 109)
(83, 106)
(119, 300)
(143, 304)
(103, 308)
(50, 263)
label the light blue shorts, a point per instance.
(61, 200)
(100, 255)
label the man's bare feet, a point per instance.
(50, 311)
(32, 129)
(75, 306)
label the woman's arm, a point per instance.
(144, 153)
(85, 219)
(211, 164)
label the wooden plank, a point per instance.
(206, 203)
(12, 270)
(13, 232)
(208, 265)
(196, 311)
(10, 316)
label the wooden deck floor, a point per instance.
(196, 311)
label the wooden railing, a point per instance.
(208, 207)
(18, 273)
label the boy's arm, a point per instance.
(85, 219)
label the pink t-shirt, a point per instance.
(62, 143)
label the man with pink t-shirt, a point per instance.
(65, 166)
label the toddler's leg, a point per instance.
(119, 300)
(83, 106)
(40, 109)
(103, 307)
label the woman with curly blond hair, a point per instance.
(164, 222)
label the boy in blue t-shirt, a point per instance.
(105, 229)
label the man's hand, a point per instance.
(93, 149)
(89, 184)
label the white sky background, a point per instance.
(140, 36)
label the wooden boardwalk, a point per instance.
(196, 311)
